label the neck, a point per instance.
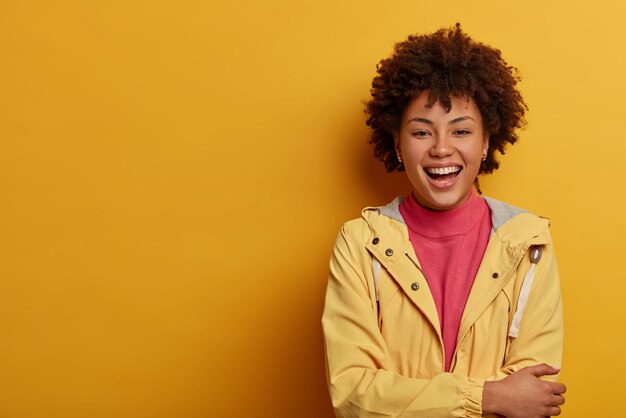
(433, 223)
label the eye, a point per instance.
(462, 132)
(421, 133)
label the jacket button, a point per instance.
(375, 241)
(415, 286)
(495, 275)
(388, 252)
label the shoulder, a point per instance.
(374, 221)
(355, 229)
(516, 225)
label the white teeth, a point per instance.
(443, 170)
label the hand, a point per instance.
(524, 395)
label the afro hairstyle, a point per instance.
(446, 62)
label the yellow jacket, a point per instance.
(384, 350)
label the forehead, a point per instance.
(461, 106)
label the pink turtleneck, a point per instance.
(449, 246)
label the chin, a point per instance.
(442, 202)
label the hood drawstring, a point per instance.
(535, 256)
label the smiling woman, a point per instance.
(441, 150)
(444, 303)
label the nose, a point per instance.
(442, 147)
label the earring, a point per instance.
(484, 157)
(399, 159)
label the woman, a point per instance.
(444, 303)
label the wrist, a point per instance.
(491, 398)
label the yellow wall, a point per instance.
(172, 176)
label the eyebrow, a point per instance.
(430, 122)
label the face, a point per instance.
(441, 151)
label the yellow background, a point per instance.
(173, 174)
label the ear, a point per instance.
(485, 144)
(396, 144)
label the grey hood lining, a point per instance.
(500, 212)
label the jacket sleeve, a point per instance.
(360, 380)
(540, 337)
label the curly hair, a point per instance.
(446, 62)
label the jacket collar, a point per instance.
(505, 220)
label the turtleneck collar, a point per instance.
(440, 224)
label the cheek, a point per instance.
(474, 154)
(413, 151)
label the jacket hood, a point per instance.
(512, 225)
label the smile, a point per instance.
(443, 176)
(439, 171)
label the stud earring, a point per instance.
(484, 157)
(399, 159)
